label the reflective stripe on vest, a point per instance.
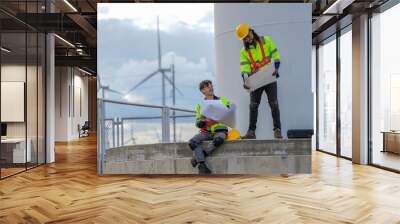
(264, 61)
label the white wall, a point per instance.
(12, 73)
(81, 84)
(17, 73)
(61, 103)
(69, 85)
(289, 25)
(33, 125)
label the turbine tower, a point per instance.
(162, 71)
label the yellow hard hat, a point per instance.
(242, 30)
(233, 134)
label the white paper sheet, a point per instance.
(217, 111)
(261, 78)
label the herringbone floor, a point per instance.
(69, 191)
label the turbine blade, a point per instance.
(143, 81)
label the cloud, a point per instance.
(127, 54)
(172, 15)
(119, 41)
(135, 98)
(187, 76)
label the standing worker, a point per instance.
(209, 130)
(255, 54)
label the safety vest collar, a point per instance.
(254, 46)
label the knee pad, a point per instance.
(254, 106)
(218, 141)
(193, 144)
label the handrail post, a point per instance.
(117, 127)
(113, 131)
(174, 124)
(122, 131)
(101, 135)
(165, 124)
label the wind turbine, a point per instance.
(106, 88)
(162, 71)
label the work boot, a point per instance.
(277, 133)
(193, 161)
(250, 135)
(203, 169)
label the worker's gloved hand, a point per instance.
(200, 123)
(245, 76)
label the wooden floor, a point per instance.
(70, 191)
(10, 171)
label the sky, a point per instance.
(127, 49)
(173, 15)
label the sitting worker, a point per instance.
(210, 130)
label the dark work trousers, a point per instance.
(255, 98)
(198, 151)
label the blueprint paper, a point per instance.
(217, 111)
(261, 78)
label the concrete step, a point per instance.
(233, 157)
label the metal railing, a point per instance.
(111, 130)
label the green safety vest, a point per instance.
(270, 51)
(214, 127)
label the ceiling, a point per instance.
(76, 22)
